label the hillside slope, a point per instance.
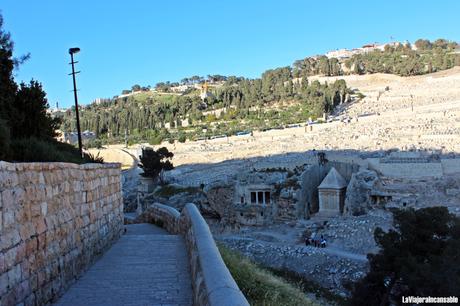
(434, 123)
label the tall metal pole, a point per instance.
(76, 104)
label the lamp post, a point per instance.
(72, 51)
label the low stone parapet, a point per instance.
(212, 282)
(162, 215)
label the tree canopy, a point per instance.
(419, 257)
(27, 130)
(249, 103)
(155, 162)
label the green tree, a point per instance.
(30, 116)
(423, 44)
(417, 258)
(155, 162)
(136, 87)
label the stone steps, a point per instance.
(147, 266)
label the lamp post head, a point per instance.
(74, 50)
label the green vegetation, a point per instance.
(309, 286)
(247, 106)
(155, 162)
(27, 131)
(171, 190)
(418, 258)
(260, 286)
(400, 59)
(33, 149)
(280, 97)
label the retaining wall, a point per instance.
(212, 283)
(451, 166)
(55, 220)
(407, 170)
(112, 155)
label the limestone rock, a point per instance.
(357, 196)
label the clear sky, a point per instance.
(144, 41)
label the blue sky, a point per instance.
(144, 42)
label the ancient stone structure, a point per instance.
(332, 194)
(312, 177)
(260, 198)
(255, 204)
(55, 219)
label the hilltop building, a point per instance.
(72, 137)
(346, 53)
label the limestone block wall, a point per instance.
(115, 156)
(451, 166)
(55, 219)
(407, 170)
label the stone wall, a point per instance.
(406, 170)
(212, 283)
(162, 215)
(55, 219)
(115, 156)
(450, 166)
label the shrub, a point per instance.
(94, 143)
(90, 158)
(155, 140)
(182, 138)
(40, 150)
(171, 190)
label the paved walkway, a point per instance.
(147, 266)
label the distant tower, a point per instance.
(57, 105)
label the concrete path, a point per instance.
(147, 266)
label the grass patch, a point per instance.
(171, 190)
(309, 286)
(260, 286)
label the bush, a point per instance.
(90, 158)
(39, 150)
(182, 138)
(155, 140)
(259, 285)
(94, 143)
(170, 190)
